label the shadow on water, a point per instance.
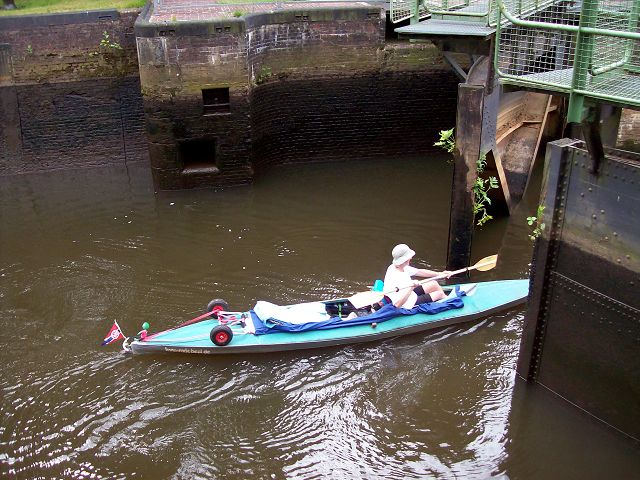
(79, 250)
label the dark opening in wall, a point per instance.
(198, 156)
(215, 100)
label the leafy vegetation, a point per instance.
(447, 140)
(481, 186)
(481, 189)
(106, 43)
(263, 75)
(537, 221)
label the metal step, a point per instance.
(434, 27)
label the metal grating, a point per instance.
(484, 11)
(472, 10)
(615, 61)
(400, 10)
(451, 5)
(589, 48)
(539, 56)
(447, 28)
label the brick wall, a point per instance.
(174, 70)
(66, 102)
(66, 47)
(373, 115)
(303, 86)
(629, 132)
(314, 85)
(80, 124)
(345, 94)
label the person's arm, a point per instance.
(403, 295)
(423, 272)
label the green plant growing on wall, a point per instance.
(481, 186)
(481, 189)
(263, 75)
(106, 42)
(537, 221)
(238, 13)
(29, 50)
(111, 56)
(447, 140)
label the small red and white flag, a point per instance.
(114, 334)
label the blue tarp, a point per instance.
(385, 313)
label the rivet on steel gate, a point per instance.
(602, 211)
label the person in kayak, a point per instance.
(399, 275)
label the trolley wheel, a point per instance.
(217, 305)
(221, 335)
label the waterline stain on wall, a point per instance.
(209, 102)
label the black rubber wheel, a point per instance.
(218, 305)
(221, 335)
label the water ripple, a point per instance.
(88, 249)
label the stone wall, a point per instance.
(175, 67)
(303, 86)
(365, 116)
(629, 131)
(307, 85)
(65, 100)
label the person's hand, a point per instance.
(416, 283)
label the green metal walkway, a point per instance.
(588, 50)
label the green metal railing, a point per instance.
(479, 11)
(400, 10)
(589, 51)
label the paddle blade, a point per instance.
(364, 299)
(487, 263)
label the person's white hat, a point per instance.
(401, 253)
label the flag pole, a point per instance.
(121, 331)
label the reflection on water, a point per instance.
(81, 249)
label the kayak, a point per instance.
(271, 328)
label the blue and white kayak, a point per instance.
(270, 328)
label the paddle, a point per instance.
(370, 297)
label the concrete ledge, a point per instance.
(221, 22)
(50, 19)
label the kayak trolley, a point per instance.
(222, 334)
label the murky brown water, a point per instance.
(80, 249)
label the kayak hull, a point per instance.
(489, 298)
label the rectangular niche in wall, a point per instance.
(198, 156)
(215, 100)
